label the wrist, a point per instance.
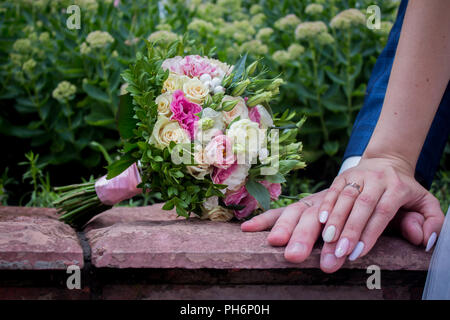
(397, 161)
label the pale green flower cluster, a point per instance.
(85, 49)
(313, 9)
(230, 6)
(238, 30)
(258, 19)
(200, 26)
(256, 8)
(22, 45)
(99, 39)
(16, 58)
(164, 26)
(208, 10)
(289, 21)
(64, 91)
(295, 50)
(44, 37)
(255, 47)
(283, 57)
(264, 34)
(163, 36)
(348, 18)
(310, 30)
(29, 47)
(88, 5)
(29, 66)
(35, 3)
(325, 38)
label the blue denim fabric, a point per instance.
(368, 116)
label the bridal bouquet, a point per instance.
(199, 132)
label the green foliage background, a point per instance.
(75, 136)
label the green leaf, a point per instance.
(120, 166)
(331, 147)
(276, 178)
(239, 67)
(287, 165)
(96, 93)
(259, 192)
(125, 120)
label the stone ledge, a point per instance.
(33, 239)
(149, 237)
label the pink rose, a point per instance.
(236, 197)
(191, 66)
(242, 198)
(219, 152)
(184, 112)
(254, 115)
(250, 204)
(221, 175)
(274, 189)
(234, 176)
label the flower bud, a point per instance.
(252, 68)
(229, 105)
(206, 123)
(227, 80)
(276, 83)
(217, 97)
(259, 98)
(240, 87)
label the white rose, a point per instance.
(266, 120)
(205, 135)
(201, 168)
(219, 214)
(239, 110)
(174, 82)
(211, 203)
(195, 91)
(166, 131)
(247, 138)
(163, 101)
(237, 177)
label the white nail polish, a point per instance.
(323, 216)
(357, 251)
(341, 248)
(431, 241)
(329, 234)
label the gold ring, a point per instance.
(354, 185)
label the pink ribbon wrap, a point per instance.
(119, 188)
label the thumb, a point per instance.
(434, 218)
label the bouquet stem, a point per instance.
(78, 203)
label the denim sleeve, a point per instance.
(368, 116)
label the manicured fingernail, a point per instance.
(329, 261)
(357, 251)
(341, 248)
(329, 234)
(296, 248)
(323, 216)
(431, 241)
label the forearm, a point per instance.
(419, 76)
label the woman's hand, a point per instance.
(364, 199)
(296, 226)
